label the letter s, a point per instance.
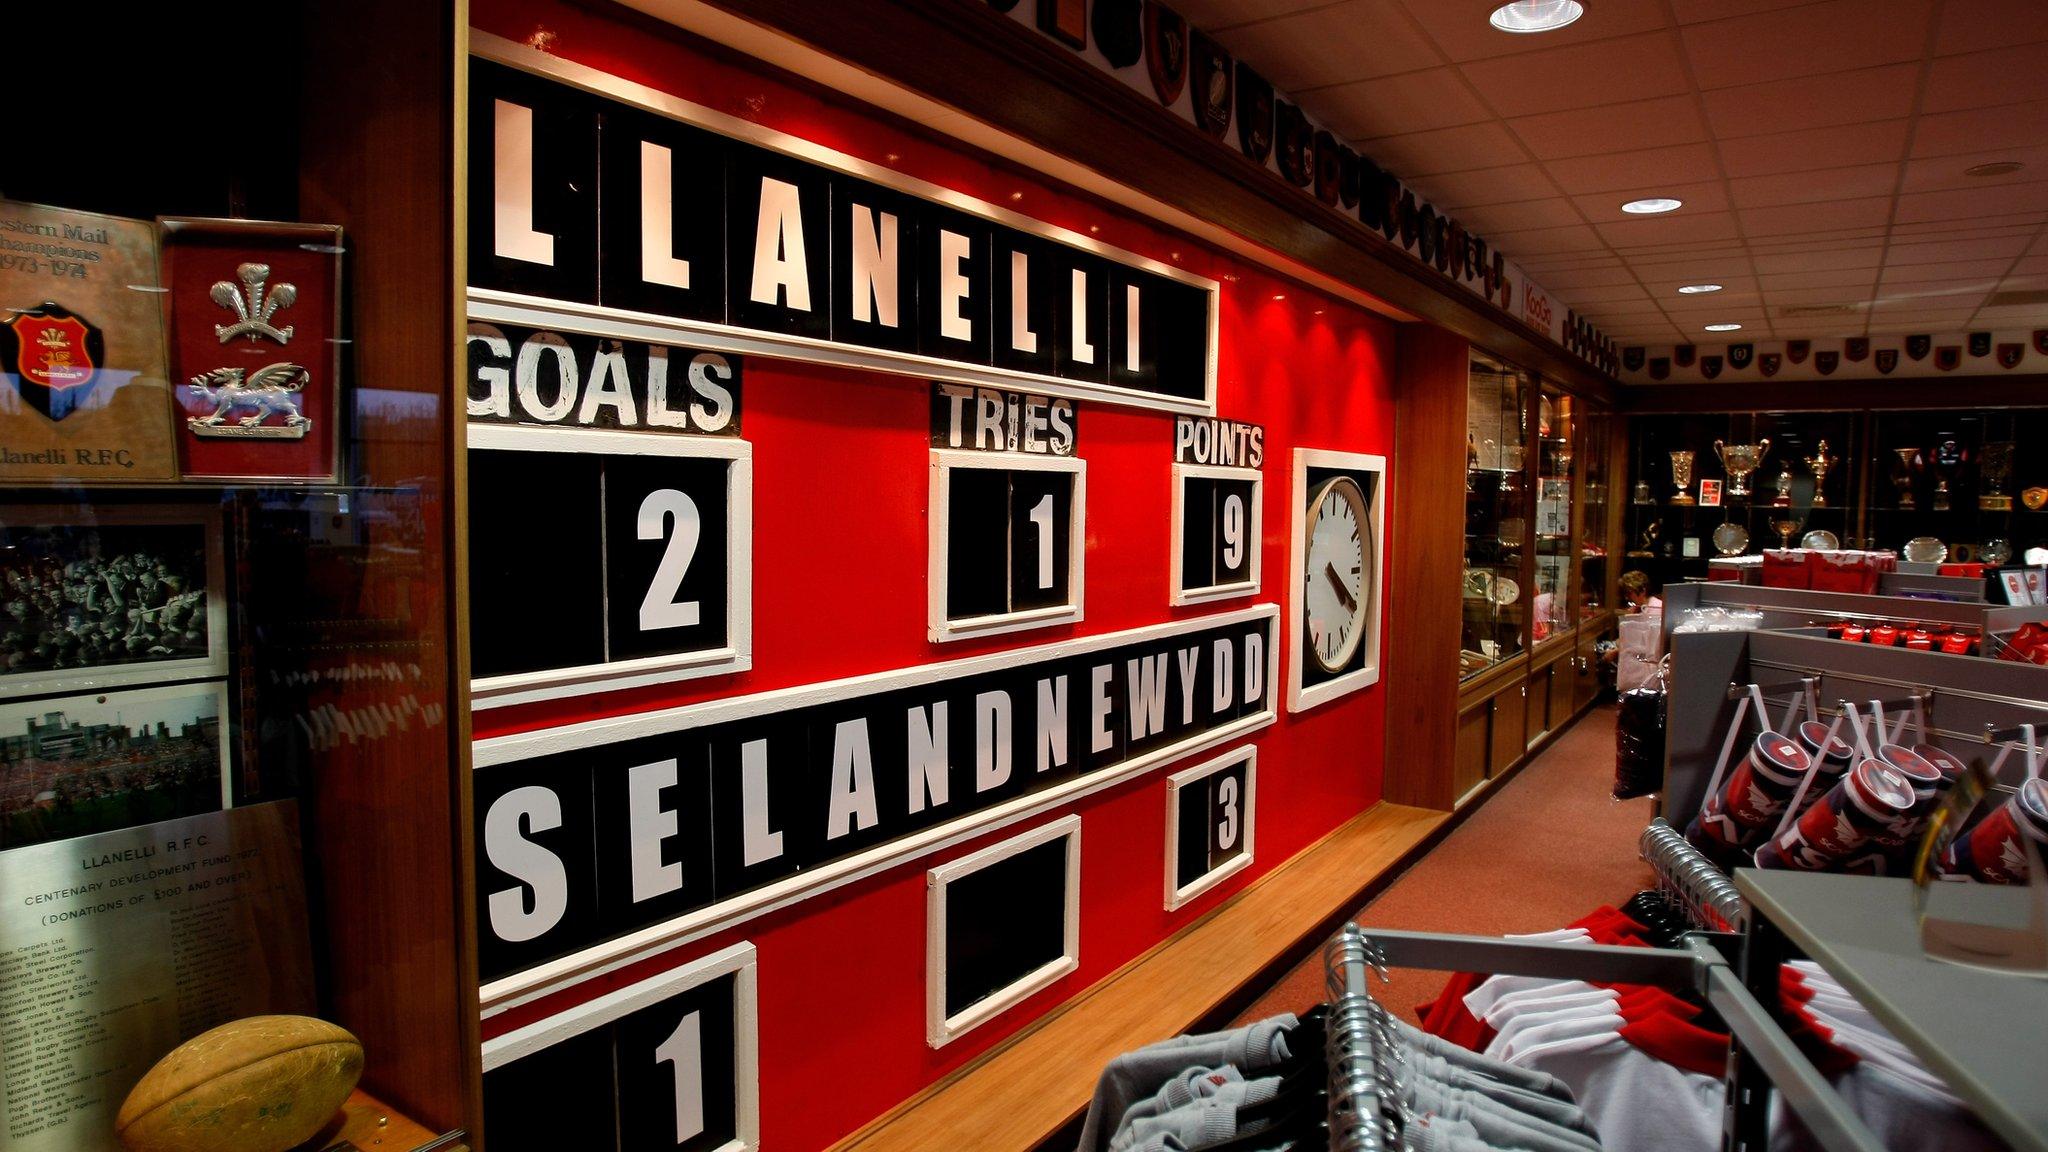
(508, 849)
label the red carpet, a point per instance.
(1548, 848)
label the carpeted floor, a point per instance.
(1546, 849)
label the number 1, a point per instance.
(1041, 516)
(685, 1049)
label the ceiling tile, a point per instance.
(1835, 278)
(1819, 241)
(1556, 212)
(1700, 11)
(1937, 173)
(2030, 266)
(1657, 123)
(1467, 146)
(1813, 102)
(1581, 76)
(1391, 105)
(1606, 206)
(1828, 184)
(1679, 226)
(1982, 79)
(2000, 248)
(1666, 288)
(1966, 203)
(1771, 262)
(1972, 25)
(1677, 164)
(1634, 308)
(1830, 37)
(1606, 294)
(1214, 15)
(1799, 218)
(1881, 141)
(1330, 45)
(1978, 225)
(1491, 186)
(1952, 271)
(1981, 129)
(1569, 279)
(1459, 27)
(1576, 238)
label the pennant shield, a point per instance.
(2010, 355)
(1917, 346)
(1632, 358)
(1796, 350)
(1947, 357)
(52, 357)
(1827, 361)
(1855, 348)
(1660, 367)
(1887, 359)
(1166, 51)
(1710, 367)
(1740, 355)
(1768, 363)
(1980, 343)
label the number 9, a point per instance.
(1233, 531)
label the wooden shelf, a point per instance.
(1023, 1092)
(367, 1124)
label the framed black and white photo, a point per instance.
(1007, 542)
(1337, 556)
(111, 596)
(1218, 514)
(1002, 923)
(1210, 822)
(606, 559)
(676, 1057)
(79, 765)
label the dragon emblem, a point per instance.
(271, 390)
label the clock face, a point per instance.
(1334, 597)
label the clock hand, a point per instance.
(1343, 594)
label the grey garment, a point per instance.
(1437, 1134)
(1492, 1118)
(1422, 1042)
(1443, 1071)
(1512, 1103)
(1135, 1075)
(1204, 1122)
(1503, 1132)
(1184, 1089)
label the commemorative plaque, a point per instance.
(83, 394)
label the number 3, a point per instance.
(659, 609)
(1226, 832)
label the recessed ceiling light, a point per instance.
(1995, 168)
(1652, 206)
(1698, 289)
(1536, 15)
(1723, 327)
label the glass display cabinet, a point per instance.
(1954, 487)
(1498, 505)
(1596, 575)
(1555, 541)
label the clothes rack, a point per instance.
(1706, 894)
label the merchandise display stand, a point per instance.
(1977, 1030)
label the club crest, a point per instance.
(1887, 359)
(1212, 75)
(1740, 356)
(1683, 355)
(1119, 29)
(1425, 232)
(1769, 362)
(2041, 341)
(1660, 367)
(1390, 201)
(1917, 346)
(1461, 252)
(1500, 280)
(1349, 177)
(53, 358)
(1827, 361)
(1329, 168)
(1410, 221)
(1166, 51)
(1980, 343)
(1947, 357)
(1254, 113)
(1292, 143)
(2010, 355)
(1796, 350)
(272, 390)
(1632, 358)
(1855, 348)
(1710, 367)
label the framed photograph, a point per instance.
(78, 765)
(674, 1059)
(1007, 542)
(1710, 493)
(1002, 923)
(1210, 822)
(112, 596)
(1218, 522)
(1336, 574)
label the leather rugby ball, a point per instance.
(260, 1084)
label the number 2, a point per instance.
(1233, 531)
(685, 1049)
(1226, 832)
(1041, 517)
(659, 609)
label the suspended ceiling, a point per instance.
(1820, 149)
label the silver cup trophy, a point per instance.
(1740, 460)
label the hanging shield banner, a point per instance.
(1768, 363)
(1390, 206)
(1426, 234)
(1443, 243)
(1410, 221)
(1500, 280)
(1329, 168)
(1917, 346)
(1683, 354)
(2010, 355)
(1947, 357)
(1887, 359)
(1166, 51)
(1710, 367)
(1254, 113)
(1980, 343)
(1660, 367)
(2041, 341)
(1632, 358)
(1461, 252)
(1827, 361)
(1740, 355)
(1348, 176)
(53, 356)
(1212, 70)
(1119, 31)
(1796, 350)
(1855, 348)
(1482, 269)
(1292, 143)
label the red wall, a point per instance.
(841, 467)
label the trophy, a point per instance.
(1642, 493)
(1994, 463)
(1909, 462)
(1681, 475)
(1740, 460)
(1784, 497)
(1785, 529)
(1820, 462)
(1947, 457)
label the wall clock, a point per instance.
(1338, 556)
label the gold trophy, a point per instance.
(1994, 463)
(1785, 528)
(1740, 460)
(1820, 462)
(1909, 463)
(1784, 497)
(1681, 475)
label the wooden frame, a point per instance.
(941, 1029)
(939, 530)
(736, 655)
(1176, 543)
(214, 664)
(1302, 697)
(1177, 894)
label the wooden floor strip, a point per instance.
(1021, 1092)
